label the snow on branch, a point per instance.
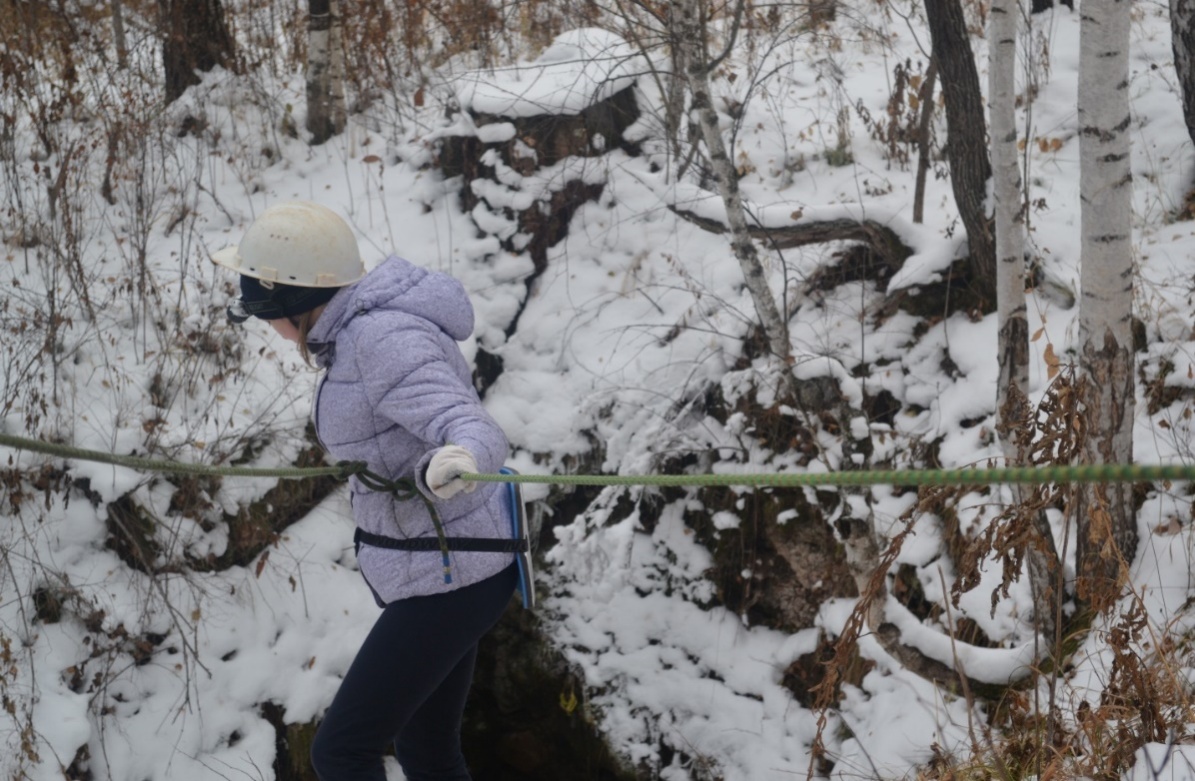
(580, 69)
(916, 255)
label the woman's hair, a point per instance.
(304, 323)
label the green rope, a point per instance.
(1090, 473)
(402, 489)
(1087, 473)
(143, 464)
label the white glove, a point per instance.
(445, 469)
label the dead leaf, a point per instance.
(1051, 360)
(1037, 334)
(1170, 526)
(261, 563)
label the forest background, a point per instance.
(701, 238)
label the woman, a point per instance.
(396, 394)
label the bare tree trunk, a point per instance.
(326, 114)
(118, 35)
(195, 40)
(1009, 221)
(924, 128)
(1182, 40)
(339, 64)
(670, 81)
(689, 30)
(1107, 527)
(966, 145)
(675, 121)
(1012, 401)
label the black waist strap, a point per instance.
(472, 544)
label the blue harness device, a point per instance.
(518, 531)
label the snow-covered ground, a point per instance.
(594, 363)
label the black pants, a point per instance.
(408, 685)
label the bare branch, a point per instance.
(884, 241)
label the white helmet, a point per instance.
(297, 243)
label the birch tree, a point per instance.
(325, 71)
(1012, 402)
(1107, 529)
(689, 29)
(1009, 224)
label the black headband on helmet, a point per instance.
(276, 301)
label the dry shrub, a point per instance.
(40, 32)
(1033, 729)
(899, 131)
(1146, 699)
(1052, 438)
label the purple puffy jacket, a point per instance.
(396, 388)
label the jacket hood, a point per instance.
(398, 285)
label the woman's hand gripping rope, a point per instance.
(444, 471)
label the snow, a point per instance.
(637, 315)
(581, 67)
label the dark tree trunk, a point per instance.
(195, 39)
(966, 144)
(118, 35)
(924, 131)
(1182, 33)
(1037, 6)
